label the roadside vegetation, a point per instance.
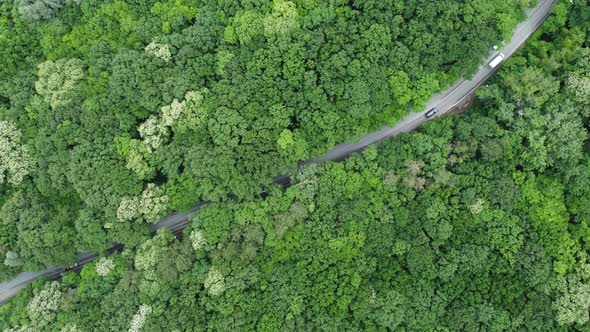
(474, 222)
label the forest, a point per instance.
(476, 222)
(116, 113)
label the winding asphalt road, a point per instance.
(444, 101)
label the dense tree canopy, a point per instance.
(475, 222)
(125, 110)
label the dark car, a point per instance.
(72, 267)
(432, 112)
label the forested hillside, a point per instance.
(477, 222)
(115, 113)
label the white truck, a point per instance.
(496, 60)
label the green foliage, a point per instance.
(437, 229)
(477, 222)
(215, 224)
(37, 233)
(572, 304)
(227, 128)
(549, 216)
(206, 100)
(174, 14)
(113, 23)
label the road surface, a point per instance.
(444, 101)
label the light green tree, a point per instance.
(148, 206)
(198, 239)
(15, 161)
(41, 9)
(285, 139)
(283, 19)
(247, 26)
(153, 132)
(12, 259)
(104, 266)
(45, 303)
(58, 81)
(139, 318)
(160, 51)
(215, 282)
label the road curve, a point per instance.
(455, 94)
(444, 101)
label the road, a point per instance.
(444, 101)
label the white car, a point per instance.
(432, 112)
(496, 60)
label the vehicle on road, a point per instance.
(432, 112)
(72, 267)
(496, 60)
